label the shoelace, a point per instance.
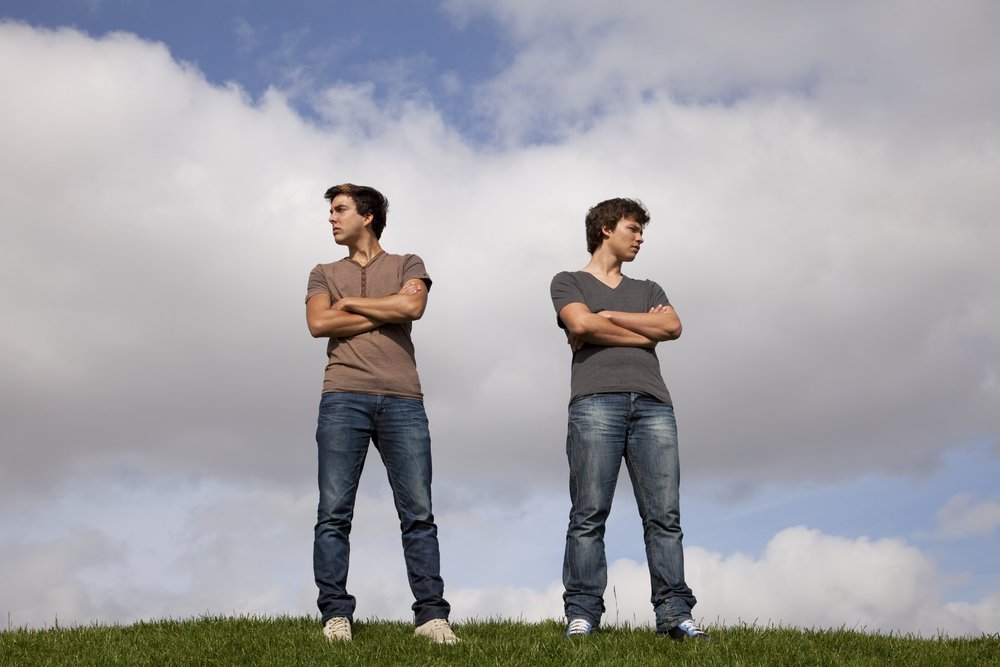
(338, 624)
(579, 626)
(441, 631)
(691, 628)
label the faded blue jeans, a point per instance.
(398, 428)
(604, 429)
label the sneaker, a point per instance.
(579, 627)
(338, 628)
(687, 628)
(438, 631)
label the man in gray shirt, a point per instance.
(620, 408)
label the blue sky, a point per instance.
(824, 219)
(402, 48)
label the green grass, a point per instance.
(297, 641)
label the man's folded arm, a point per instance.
(660, 323)
(325, 321)
(593, 328)
(406, 305)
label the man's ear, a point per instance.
(606, 232)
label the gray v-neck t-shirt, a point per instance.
(601, 370)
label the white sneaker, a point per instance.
(438, 631)
(690, 629)
(579, 627)
(337, 628)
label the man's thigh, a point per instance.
(652, 455)
(595, 442)
(343, 431)
(402, 436)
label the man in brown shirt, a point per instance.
(365, 304)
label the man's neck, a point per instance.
(365, 251)
(605, 266)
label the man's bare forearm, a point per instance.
(326, 321)
(340, 324)
(583, 326)
(599, 330)
(659, 324)
(405, 306)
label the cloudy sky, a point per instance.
(823, 184)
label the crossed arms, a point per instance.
(355, 314)
(613, 328)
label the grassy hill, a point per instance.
(297, 641)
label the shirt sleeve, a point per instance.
(317, 283)
(564, 291)
(657, 297)
(413, 267)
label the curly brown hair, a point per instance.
(608, 214)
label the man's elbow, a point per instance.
(670, 332)
(577, 326)
(314, 329)
(413, 311)
(408, 308)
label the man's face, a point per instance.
(348, 225)
(625, 239)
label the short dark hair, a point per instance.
(608, 213)
(367, 200)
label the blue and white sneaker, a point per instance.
(690, 629)
(579, 627)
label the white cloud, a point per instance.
(963, 517)
(228, 550)
(889, 62)
(41, 583)
(807, 579)
(983, 614)
(172, 223)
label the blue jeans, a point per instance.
(398, 428)
(604, 429)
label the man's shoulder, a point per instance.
(564, 276)
(640, 282)
(406, 265)
(562, 281)
(403, 257)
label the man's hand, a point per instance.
(607, 314)
(412, 287)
